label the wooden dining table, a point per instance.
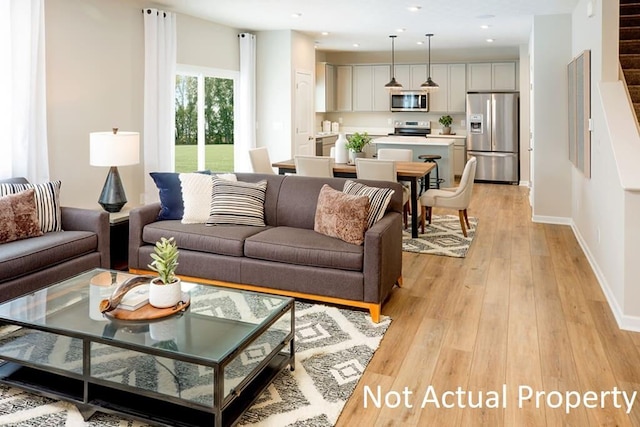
(411, 172)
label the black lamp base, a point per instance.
(112, 198)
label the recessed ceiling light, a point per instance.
(401, 30)
(325, 33)
(420, 42)
(490, 40)
(485, 26)
(414, 8)
(356, 45)
(296, 15)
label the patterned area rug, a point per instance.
(442, 237)
(333, 347)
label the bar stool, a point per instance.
(431, 158)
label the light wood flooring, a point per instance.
(523, 309)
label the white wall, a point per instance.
(206, 44)
(95, 74)
(95, 68)
(604, 213)
(551, 54)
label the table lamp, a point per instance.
(113, 149)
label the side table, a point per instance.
(119, 235)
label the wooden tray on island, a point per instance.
(149, 312)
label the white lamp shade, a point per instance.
(114, 149)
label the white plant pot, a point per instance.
(163, 296)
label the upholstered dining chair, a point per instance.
(383, 170)
(260, 160)
(399, 155)
(319, 166)
(451, 198)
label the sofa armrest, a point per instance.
(138, 218)
(382, 257)
(78, 219)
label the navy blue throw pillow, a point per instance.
(170, 191)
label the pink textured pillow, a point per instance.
(341, 215)
(18, 218)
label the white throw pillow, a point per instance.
(196, 196)
(227, 176)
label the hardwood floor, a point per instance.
(522, 312)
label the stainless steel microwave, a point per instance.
(409, 101)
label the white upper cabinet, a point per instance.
(457, 96)
(344, 87)
(439, 99)
(411, 76)
(503, 75)
(491, 76)
(369, 93)
(451, 94)
(325, 87)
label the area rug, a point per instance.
(442, 237)
(333, 348)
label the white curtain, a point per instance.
(159, 95)
(23, 103)
(246, 103)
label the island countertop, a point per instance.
(413, 140)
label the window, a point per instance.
(205, 122)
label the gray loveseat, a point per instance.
(30, 264)
(287, 256)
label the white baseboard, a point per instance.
(629, 323)
(559, 220)
(523, 183)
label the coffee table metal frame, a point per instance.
(143, 404)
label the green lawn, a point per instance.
(218, 158)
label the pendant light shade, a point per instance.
(429, 85)
(393, 84)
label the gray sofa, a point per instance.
(287, 256)
(30, 264)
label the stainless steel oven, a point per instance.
(409, 101)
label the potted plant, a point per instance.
(166, 289)
(355, 145)
(446, 121)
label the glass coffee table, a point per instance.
(203, 366)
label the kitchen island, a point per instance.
(420, 145)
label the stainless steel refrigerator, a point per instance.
(493, 135)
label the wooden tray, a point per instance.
(149, 312)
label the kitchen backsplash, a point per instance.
(386, 120)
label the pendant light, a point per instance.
(393, 84)
(429, 85)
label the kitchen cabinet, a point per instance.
(411, 76)
(457, 93)
(325, 87)
(344, 88)
(451, 95)
(491, 76)
(369, 93)
(459, 158)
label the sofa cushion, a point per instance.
(304, 247)
(29, 255)
(47, 202)
(170, 193)
(222, 240)
(18, 218)
(341, 215)
(237, 203)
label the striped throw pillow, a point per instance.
(47, 196)
(237, 203)
(379, 199)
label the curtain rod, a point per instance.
(164, 14)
